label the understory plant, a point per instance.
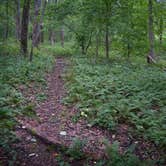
(120, 92)
(14, 73)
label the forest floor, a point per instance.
(45, 137)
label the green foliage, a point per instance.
(61, 161)
(9, 47)
(29, 110)
(127, 158)
(161, 64)
(75, 151)
(41, 97)
(15, 72)
(115, 93)
(57, 50)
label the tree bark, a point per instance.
(38, 34)
(83, 49)
(97, 45)
(36, 26)
(151, 56)
(52, 37)
(41, 35)
(24, 28)
(7, 20)
(107, 41)
(62, 37)
(161, 31)
(128, 50)
(18, 19)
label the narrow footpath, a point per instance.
(54, 125)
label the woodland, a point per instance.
(83, 82)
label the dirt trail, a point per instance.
(54, 123)
(54, 118)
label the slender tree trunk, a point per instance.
(62, 37)
(31, 53)
(128, 50)
(24, 28)
(97, 45)
(18, 19)
(52, 37)
(107, 41)
(38, 34)
(41, 35)
(161, 31)
(49, 35)
(83, 47)
(151, 55)
(88, 42)
(7, 20)
(36, 26)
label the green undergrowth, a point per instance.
(75, 156)
(115, 93)
(57, 50)
(127, 158)
(9, 47)
(15, 72)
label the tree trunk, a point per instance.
(41, 35)
(83, 47)
(161, 31)
(31, 53)
(37, 35)
(36, 26)
(62, 37)
(128, 50)
(49, 35)
(52, 37)
(151, 55)
(18, 19)
(7, 20)
(24, 28)
(107, 41)
(97, 46)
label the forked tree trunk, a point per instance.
(24, 28)
(151, 56)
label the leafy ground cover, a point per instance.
(115, 93)
(56, 50)
(15, 72)
(53, 117)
